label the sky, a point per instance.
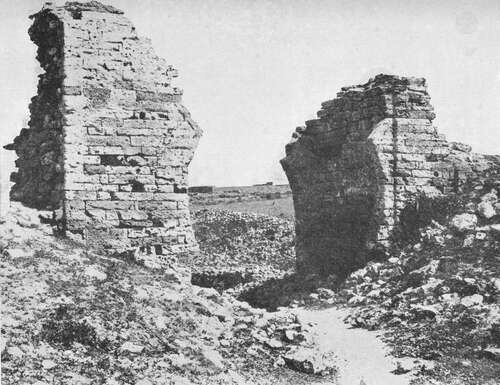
(253, 70)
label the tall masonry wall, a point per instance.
(354, 168)
(109, 141)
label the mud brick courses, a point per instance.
(109, 142)
(359, 163)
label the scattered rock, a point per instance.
(402, 367)
(496, 284)
(48, 364)
(325, 293)
(451, 298)
(18, 253)
(274, 344)
(213, 357)
(290, 335)
(309, 361)
(464, 222)
(179, 360)
(495, 228)
(486, 209)
(15, 352)
(129, 347)
(425, 311)
(492, 353)
(487, 206)
(95, 272)
(471, 300)
(356, 300)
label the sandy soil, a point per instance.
(362, 357)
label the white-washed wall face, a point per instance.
(125, 138)
(352, 170)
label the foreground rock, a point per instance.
(437, 297)
(309, 361)
(73, 316)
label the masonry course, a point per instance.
(109, 140)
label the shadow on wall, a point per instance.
(338, 199)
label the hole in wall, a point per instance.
(77, 15)
(137, 186)
(112, 160)
(179, 190)
(142, 115)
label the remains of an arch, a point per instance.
(109, 141)
(357, 165)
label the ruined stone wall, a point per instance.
(109, 141)
(357, 165)
(39, 179)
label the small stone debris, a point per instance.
(18, 253)
(48, 364)
(464, 222)
(95, 272)
(309, 361)
(129, 347)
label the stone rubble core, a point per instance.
(109, 141)
(354, 168)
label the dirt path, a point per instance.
(362, 356)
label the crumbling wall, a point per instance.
(39, 179)
(121, 140)
(357, 165)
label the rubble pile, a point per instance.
(239, 248)
(285, 338)
(70, 315)
(439, 296)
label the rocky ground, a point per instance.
(437, 296)
(72, 316)
(241, 250)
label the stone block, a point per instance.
(127, 179)
(110, 205)
(147, 141)
(120, 141)
(102, 150)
